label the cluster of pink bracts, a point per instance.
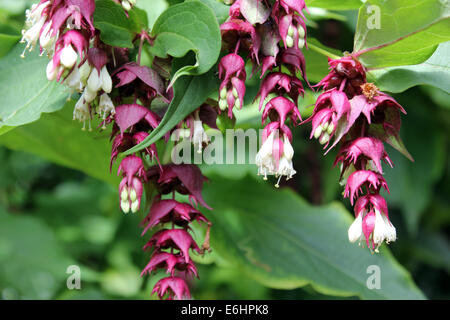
(256, 28)
(359, 117)
(350, 110)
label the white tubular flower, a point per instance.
(85, 71)
(73, 81)
(126, 5)
(31, 36)
(36, 11)
(199, 137)
(81, 111)
(285, 167)
(106, 81)
(271, 162)
(384, 230)
(68, 57)
(46, 40)
(89, 95)
(105, 106)
(264, 160)
(94, 82)
(355, 231)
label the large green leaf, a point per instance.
(335, 5)
(412, 183)
(189, 93)
(24, 89)
(408, 33)
(278, 239)
(316, 59)
(59, 139)
(220, 10)
(30, 267)
(435, 71)
(115, 27)
(190, 26)
(153, 9)
(9, 37)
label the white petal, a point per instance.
(355, 230)
(52, 72)
(106, 80)
(89, 95)
(94, 83)
(85, 71)
(73, 81)
(68, 57)
(288, 150)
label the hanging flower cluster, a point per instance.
(171, 245)
(65, 31)
(357, 115)
(273, 36)
(121, 91)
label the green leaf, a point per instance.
(335, 5)
(25, 90)
(153, 9)
(59, 139)
(408, 32)
(316, 59)
(220, 9)
(7, 42)
(435, 72)
(280, 240)
(115, 27)
(189, 94)
(31, 267)
(189, 26)
(9, 37)
(411, 183)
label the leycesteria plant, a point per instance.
(199, 67)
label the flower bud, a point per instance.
(330, 128)
(301, 43)
(318, 132)
(289, 41)
(235, 93)
(223, 93)
(106, 80)
(133, 195)
(124, 194)
(85, 71)
(94, 82)
(135, 206)
(223, 104)
(301, 32)
(68, 57)
(291, 31)
(125, 206)
(325, 138)
(126, 5)
(237, 104)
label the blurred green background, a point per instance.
(52, 217)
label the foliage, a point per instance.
(289, 243)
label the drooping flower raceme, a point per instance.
(171, 246)
(257, 31)
(121, 91)
(356, 115)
